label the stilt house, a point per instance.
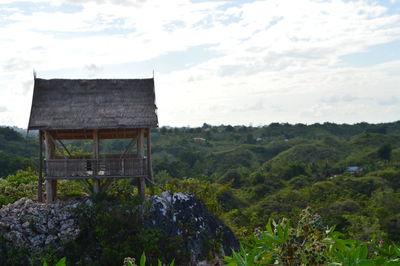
(97, 109)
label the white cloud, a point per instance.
(112, 2)
(274, 60)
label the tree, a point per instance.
(250, 139)
(229, 128)
(385, 152)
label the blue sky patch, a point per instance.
(375, 55)
(393, 8)
(171, 61)
(28, 8)
(166, 63)
(84, 34)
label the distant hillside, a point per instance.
(185, 152)
(16, 151)
(22, 131)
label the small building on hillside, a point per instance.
(97, 109)
(355, 170)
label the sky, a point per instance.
(239, 62)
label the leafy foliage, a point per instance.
(21, 184)
(117, 227)
(309, 243)
(132, 262)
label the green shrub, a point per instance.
(10, 255)
(113, 229)
(21, 184)
(309, 243)
(209, 193)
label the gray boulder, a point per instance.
(183, 215)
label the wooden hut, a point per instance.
(97, 109)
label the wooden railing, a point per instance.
(94, 168)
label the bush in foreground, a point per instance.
(310, 243)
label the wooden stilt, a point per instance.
(40, 174)
(50, 148)
(149, 164)
(96, 186)
(140, 153)
(142, 187)
(49, 191)
(54, 188)
(96, 182)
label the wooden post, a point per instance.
(50, 153)
(40, 181)
(96, 182)
(54, 188)
(96, 185)
(140, 153)
(149, 163)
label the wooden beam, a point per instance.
(50, 147)
(106, 184)
(140, 153)
(88, 134)
(101, 136)
(96, 144)
(50, 153)
(149, 163)
(96, 182)
(85, 185)
(88, 177)
(40, 181)
(54, 189)
(96, 185)
(127, 148)
(65, 148)
(89, 185)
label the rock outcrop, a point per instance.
(35, 225)
(183, 215)
(28, 223)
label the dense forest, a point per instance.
(348, 174)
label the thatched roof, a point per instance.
(93, 104)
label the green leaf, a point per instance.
(330, 230)
(383, 251)
(363, 252)
(272, 238)
(391, 263)
(286, 234)
(62, 262)
(143, 260)
(280, 232)
(274, 223)
(366, 263)
(269, 227)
